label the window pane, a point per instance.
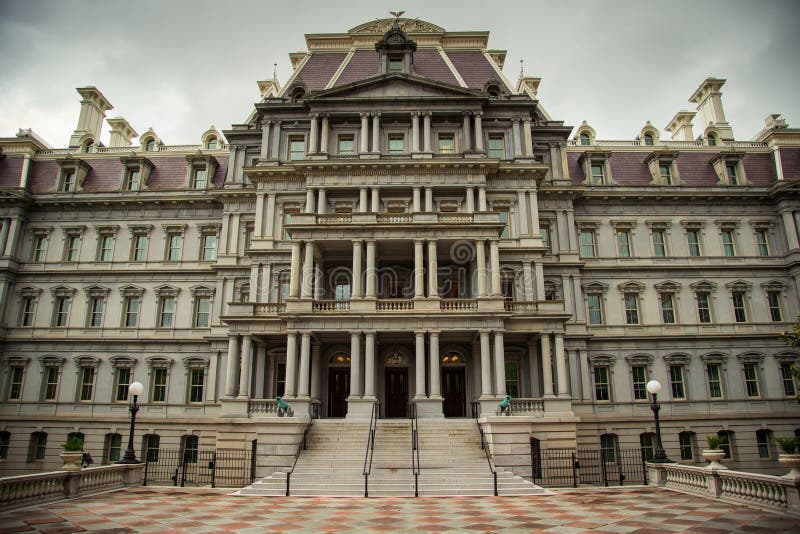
(714, 381)
(132, 305)
(623, 244)
(597, 175)
(762, 243)
(346, 146)
(631, 308)
(595, 312)
(497, 148)
(667, 308)
(659, 245)
(739, 313)
(397, 145)
(774, 305)
(51, 383)
(676, 380)
(159, 385)
(587, 244)
(87, 384)
(639, 383)
(788, 379)
(703, 309)
(446, 145)
(512, 379)
(728, 248)
(123, 381)
(751, 379)
(297, 149)
(209, 247)
(693, 239)
(601, 389)
(196, 385)
(685, 439)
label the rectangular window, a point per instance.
(774, 300)
(693, 240)
(608, 447)
(97, 306)
(196, 385)
(39, 249)
(190, 446)
(68, 184)
(762, 441)
(545, 237)
(676, 381)
(61, 312)
(728, 247)
(647, 443)
(732, 176)
(51, 374)
(202, 312)
(597, 174)
(726, 442)
(395, 64)
(280, 378)
(28, 311)
(166, 312)
(503, 216)
(659, 244)
(667, 308)
(139, 248)
(751, 379)
(159, 392)
(174, 247)
(666, 173)
(631, 308)
(739, 312)
(714, 381)
(105, 250)
(686, 445)
(703, 308)
(123, 380)
(114, 447)
(346, 146)
(762, 242)
(209, 247)
(15, 387)
(131, 314)
(512, 379)
(447, 144)
(497, 147)
(397, 144)
(595, 309)
(37, 447)
(639, 382)
(86, 384)
(623, 243)
(151, 446)
(788, 379)
(297, 148)
(588, 249)
(341, 291)
(601, 386)
(200, 178)
(72, 248)
(133, 180)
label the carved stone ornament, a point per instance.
(408, 25)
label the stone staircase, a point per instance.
(450, 455)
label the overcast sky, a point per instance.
(180, 66)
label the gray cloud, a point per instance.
(180, 66)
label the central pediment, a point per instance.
(396, 86)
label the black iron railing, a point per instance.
(485, 447)
(591, 467)
(227, 468)
(415, 466)
(370, 451)
(303, 445)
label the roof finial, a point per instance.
(396, 14)
(521, 68)
(275, 72)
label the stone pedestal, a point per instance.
(429, 408)
(358, 408)
(234, 407)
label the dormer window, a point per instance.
(68, 181)
(585, 139)
(597, 174)
(89, 146)
(212, 143)
(648, 140)
(201, 169)
(200, 178)
(729, 168)
(732, 175)
(133, 179)
(663, 167)
(150, 145)
(665, 172)
(596, 167)
(712, 140)
(298, 94)
(493, 91)
(395, 64)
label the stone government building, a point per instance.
(495, 250)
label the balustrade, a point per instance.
(523, 406)
(521, 306)
(458, 304)
(267, 308)
(265, 407)
(331, 305)
(395, 305)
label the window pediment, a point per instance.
(86, 361)
(52, 361)
(42, 231)
(704, 286)
(167, 291)
(97, 291)
(677, 359)
(640, 359)
(71, 164)
(750, 357)
(631, 287)
(595, 287)
(668, 287)
(76, 230)
(786, 357)
(602, 360)
(195, 362)
(714, 358)
(62, 291)
(29, 291)
(159, 362)
(739, 285)
(773, 285)
(122, 362)
(202, 291)
(131, 291)
(107, 229)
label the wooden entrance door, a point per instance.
(396, 391)
(338, 390)
(454, 391)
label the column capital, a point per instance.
(477, 113)
(305, 332)
(314, 115)
(427, 113)
(466, 113)
(233, 335)
(434, 332)
(498, 332)
(371, 241)
(416, 113)
(375, 114)
(484, 331)
(363, 114)
(370, 332)
(419, 332)
(357, 241)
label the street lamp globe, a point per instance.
(654, 387)
(136, 389)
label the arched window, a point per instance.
(37, 447)
(647, 440)
(585, 139)
(712, 140)
(212, 143)
(89, 146)
(339, 359)
(150, 145)
(608, 447)
(648, 139)
(112, 448)
(298, 94)
(150, 445)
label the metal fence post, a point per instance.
(603, 466)
(214, 469)
(574, 471)
(183, 469)
(253, 448)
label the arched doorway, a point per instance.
(454, 384)
(338, 384)
(396, 383)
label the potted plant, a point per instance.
(714, 453)
(72, 454)
(789, 456)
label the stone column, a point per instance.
(232, 367)
(309, 208)
(561, 366)
(517, 140)
(419, 269)
(482, 198)
(308, 272)
(561, 224)
(470, 197)
(269, 232)
(322, 202)
(230, 175)
(480, 256)
(427, 132)
(539, 270)
(356, 289)
(364, 148)
(534, 205)
(371, 270)
(527, 138)
(235, 225)
(533, 368)
(791, 230)
(376, 200)
(4, 235)
(499, 365)
(522, 211)
(323, 148)
(369, 365)
(294, 274)
(429, 199)
(478, 132)
(494, 253)
(416, 206)
(223, 234)
(313, 137)
(466, 132)
(419, 369)
(319, 275)
(547, 367)
(291, 365)
(414, 133)
(486, 365)
(260, 368)
(246, 368)
(265, 131)
(305, 365)
(316, 369)
(376, 133)
(436, 386)
(258, 226)
(362, 200)
(276, 140)
(477, 385)
(355, 365)
(586, 379)
(571, 230)
(433, 270)
(530, 283)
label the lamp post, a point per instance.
(134, 390)
(660, 457)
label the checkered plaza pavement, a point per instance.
(640, 510)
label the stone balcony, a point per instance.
(371, 218)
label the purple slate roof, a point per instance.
(10, 171)
(790, 163)
(473, 67)
(429, 64)
(319, 69)
(363, 64)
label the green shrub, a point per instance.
(73, 444)
(714, 442)
(787, 445)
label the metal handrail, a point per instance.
(300, 448)
(485, 447)
(369, 453)
(415, 466)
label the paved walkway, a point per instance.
(640, 510)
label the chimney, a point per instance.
(709, 103)
(121, 132)
(93, 110)
(681, 126)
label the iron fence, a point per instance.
(227, 468)
(587, 467)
